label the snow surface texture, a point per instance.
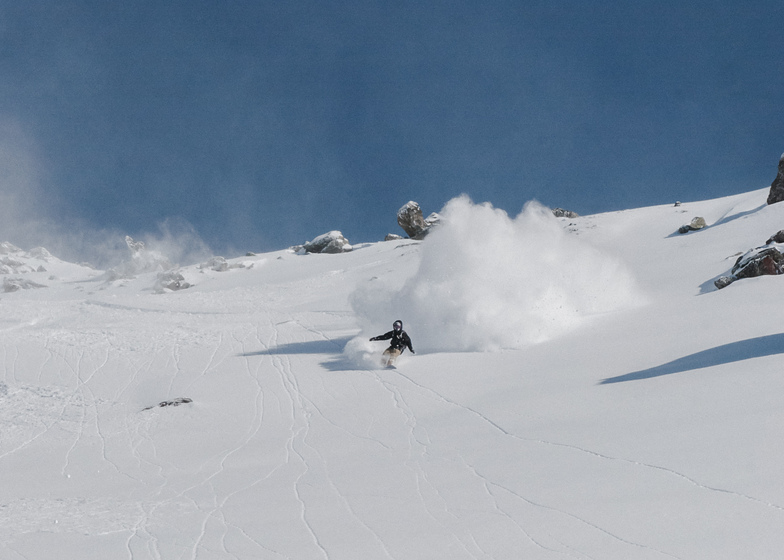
(636, 429)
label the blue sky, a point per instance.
(262, 124)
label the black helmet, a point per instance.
(398, 325)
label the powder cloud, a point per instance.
(488, 282)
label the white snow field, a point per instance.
(580, 390)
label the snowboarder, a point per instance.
(400, 341)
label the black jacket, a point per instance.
(400, 340)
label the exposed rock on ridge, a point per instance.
(410, 218)
(331, 242)
(777, 186)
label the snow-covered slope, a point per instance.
(640, 417)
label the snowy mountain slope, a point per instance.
(648, 425)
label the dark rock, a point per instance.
(174, 402)
(757, 262)
(776, 193)
(777, 238)
(410, 218)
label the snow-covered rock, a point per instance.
(8, 248)
(762, 261)
(696, 224)
(14, 260)
(218, 264)
(16, 284)
(409, 217)
(330, 242)
(561, 213)
(170, 280)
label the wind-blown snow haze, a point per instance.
(488, 281)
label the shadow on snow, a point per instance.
(329, 346)
(721, 221)
(724, 354)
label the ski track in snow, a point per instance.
(77, 411)
(279, 456)
(596, 454)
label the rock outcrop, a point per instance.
(761, 261)
(410, 218)
(776, 193)
(331, 242)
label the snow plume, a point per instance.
(487, 282)
(176, 244)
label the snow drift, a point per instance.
(487, 281)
